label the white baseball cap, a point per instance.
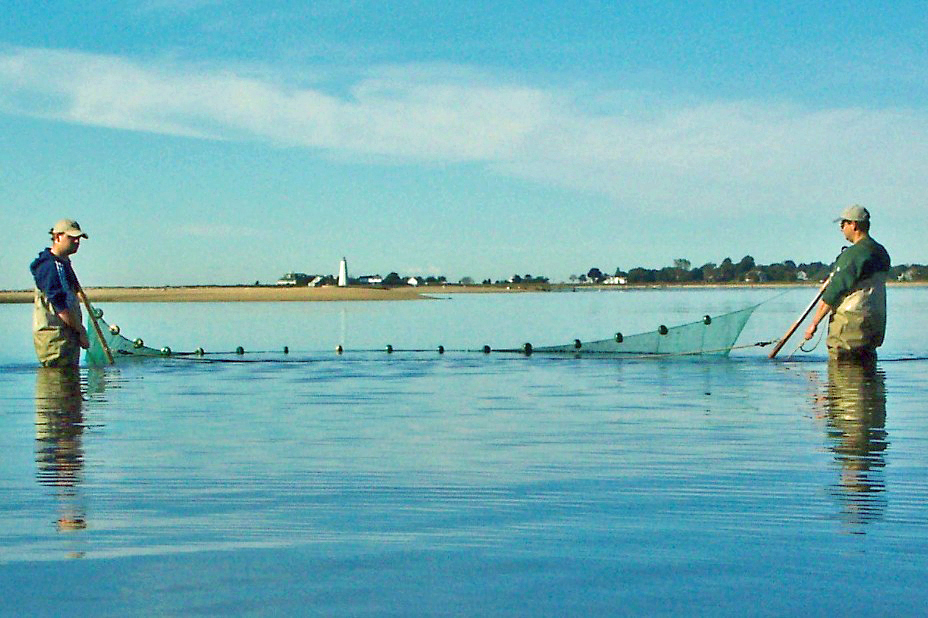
(69, 227)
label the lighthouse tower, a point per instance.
(343, 273)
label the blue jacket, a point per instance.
(51, 275)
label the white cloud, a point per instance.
(697, 154)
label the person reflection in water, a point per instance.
(59, 427)
(856, 416)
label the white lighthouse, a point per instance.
(343, 273)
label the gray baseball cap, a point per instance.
(854, 213)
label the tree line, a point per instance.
(745, 270)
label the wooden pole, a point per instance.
(792, 329)
(96, 325)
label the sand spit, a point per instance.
(213, 294)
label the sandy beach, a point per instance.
(214, 294)
(258, 293)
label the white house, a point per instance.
(293, 279)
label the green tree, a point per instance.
(744, 266)
(726, 270)
(393, 279)
(642, 275)
(708, 272)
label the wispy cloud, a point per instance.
(657, 154)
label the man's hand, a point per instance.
(823, 310)
(810, 332)
(84, 341)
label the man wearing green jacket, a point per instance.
(855, 298)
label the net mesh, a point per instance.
(119, 345)
(708, 336)
(711, 335)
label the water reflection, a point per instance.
(855, 412)
(59, 428)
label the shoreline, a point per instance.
(218, 293)
(212, 294)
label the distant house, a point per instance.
(413, 281)
(370, 279)
(801, 275)
(616, 280)
(756, 276)
(288, 279)
(296, 279)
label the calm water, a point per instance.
(464, 484)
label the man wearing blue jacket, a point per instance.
(57, 325)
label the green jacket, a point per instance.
(857, 293)
(860, 261)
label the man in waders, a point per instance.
(855, 298)
(57, 328)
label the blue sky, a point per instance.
(211, 141)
